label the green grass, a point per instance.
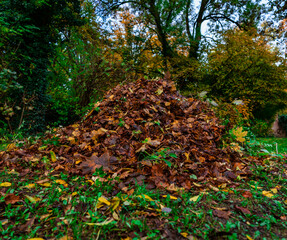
(3, 146)
(270, 144)
(97, 207)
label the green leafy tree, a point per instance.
(244, 66)
(178, 25)
(28, 50)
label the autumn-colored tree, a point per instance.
(184, 19)
(85, 66)
(178, 26)
(137, 45)
(244, 66)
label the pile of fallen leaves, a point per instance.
(141, 131)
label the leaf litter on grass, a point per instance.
(144, 130)
(141, 132)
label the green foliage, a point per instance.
(236, 113)
(33, 28)
(260, 128)
(243, 66)
(84, 67)
(269, 143)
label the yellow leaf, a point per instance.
(4, 222)
(249, 238)
(74, 193)
(42, 148)
(194, 199)
(72, 140)
(274, 190)
(239, 134)
(53, 156)
(35, 239)
(44, 216)
(256, 187)
(65, 238)
(115, 216)
(171, 197)
(159, 91)
(29, 186)
(102, 201)
(213, 188)
(174, 188)
(285, 201)
(146, 197)
(115, 202)
(106, 222)
(267, 194)
(34, 159)
(167, 104)
(46, 184)
(184, 234)
(154, 143)
(90, 181)
(78, 161)
(33, 199)
(62, 182)
(13, 172)
(11, 146)
(76, 133)
(5, 184)
(222, 185)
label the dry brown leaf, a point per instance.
(11, 198)
(222, 214)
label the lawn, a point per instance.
(270, 144)
(54, 204)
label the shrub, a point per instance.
(234, 114)
(260, 128)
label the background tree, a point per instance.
(33, 48)
(87, 63)
(243, 66)
(185, 19)
(179, 23)
(138, 47)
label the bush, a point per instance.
(260, 128)
(234, 114)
